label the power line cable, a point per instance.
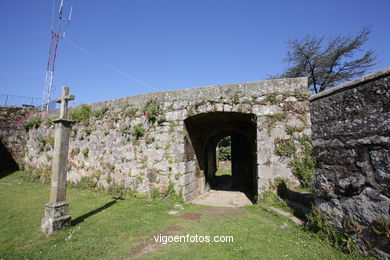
(109, 65)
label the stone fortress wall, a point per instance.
(351, 138)
(119, 144)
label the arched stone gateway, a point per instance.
(205, 130)
(156, 141)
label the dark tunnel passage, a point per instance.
(7, 162)
(206, 130)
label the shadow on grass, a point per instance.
(300, 202)
(80, 219)
(5, 173)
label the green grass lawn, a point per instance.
(221, 172)
(124, 229)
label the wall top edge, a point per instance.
(351, 84)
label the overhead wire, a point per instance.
(109, 65)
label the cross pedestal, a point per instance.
(57, 209)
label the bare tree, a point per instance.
(328, 64)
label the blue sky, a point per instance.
(121, 48)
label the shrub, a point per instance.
(381, 227)
(318, 222)
(85, 152)
(32, 122)
(138, 130)
(41, 143)
(225, 153)
(284, 147)
(291, 129)
(271, 199)
(235, 98)
(151, 110)
(169, 195)
(303, 169)
(81, 114)
(99, 112)
(224, 149)
(303, 165)
(87, 131)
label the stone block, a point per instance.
(260, 110)
(56, 217)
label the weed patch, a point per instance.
(33, 122)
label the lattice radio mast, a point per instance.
(55, 35)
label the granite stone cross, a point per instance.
(57, 209)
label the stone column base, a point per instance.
(56, 217)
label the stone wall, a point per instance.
(120, 144)
(351, 138)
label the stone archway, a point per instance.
(206, 129)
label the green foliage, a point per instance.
(279, 185)
(21, 112)
(221, 172)
(303, 119)
(41, 143)
(284, 147)
(87, 131)
(99, 112)
(278, 116)
(138, 130)
(292, 129)
(270, 198)
(51, 140)
(225, 153)
(129, 110)
(318, 222)
(225, 141)
(225, 149)
(49, 120)
(76, 150)
(100, 219)
(85, 152)
(273, 119)
(328, 64)
(161, 119)
(81, 114)
(303, 169)
(85, 183)
(235, 99)
(303, 164)
(32, 122)
(381, 227)
(270, 99)
(151, 110)
(169, 195)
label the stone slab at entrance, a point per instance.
(222, 198)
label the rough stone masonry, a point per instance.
(351, 138)
(159, 140)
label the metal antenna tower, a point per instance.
(55, 35)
